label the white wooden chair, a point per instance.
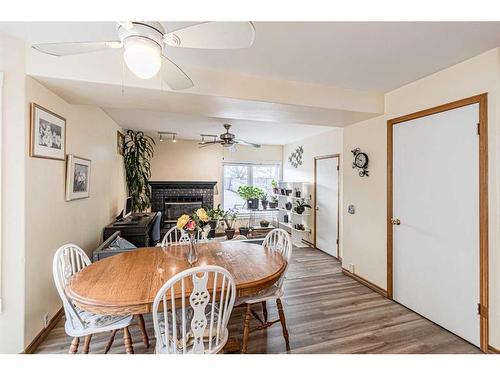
(179, 236)
(276, 240)
(68, 260)
(200, 327)
(239, 237)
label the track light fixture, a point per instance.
(161, 134)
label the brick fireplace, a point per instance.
(174, 198)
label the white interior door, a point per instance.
(327, 198)
(436, 198)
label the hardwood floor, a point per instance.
(326, 312)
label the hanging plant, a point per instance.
(138, 151)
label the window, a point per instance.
(237, 174)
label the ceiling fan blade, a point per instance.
(127, 25)
(208, 144)
(245, 143)
(213, 35)
(75, 48)
(173, 76)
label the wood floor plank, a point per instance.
(326, 312)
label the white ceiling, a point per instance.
(191, 126)
(371, 56)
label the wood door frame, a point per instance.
(482, 100)
(322, 157)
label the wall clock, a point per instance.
(360, 162)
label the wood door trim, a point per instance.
(322, 157)
(482, 100)
(365, 282)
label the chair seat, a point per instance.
(264, 295)
(95, 323)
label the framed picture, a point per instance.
(48, 134)
(120, 142)
(77, 178)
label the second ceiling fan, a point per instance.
(228, 140)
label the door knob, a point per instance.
(317, 208)
(395, 221)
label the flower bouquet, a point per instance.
(194, 225)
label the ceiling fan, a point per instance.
(145, 43)
(228, 140)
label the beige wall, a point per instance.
(323, 144)
(327, 143)
(12, 169)
(50, 220)
(364, 233)
(185, 161)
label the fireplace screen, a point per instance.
(179, 206)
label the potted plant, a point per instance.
(214, 215)
(264, 201)
(264, 223)
(251, 194)
(300, 206)
(229, 217)
(274, 202)
(274, 185)
(244, 231)
(137, 153)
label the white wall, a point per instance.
(327, 143)
(364, 233)
(13, 170)
(185, 161)
(323, 144)
(51, 221)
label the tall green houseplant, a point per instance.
(138, 151)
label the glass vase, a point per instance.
(192, 256)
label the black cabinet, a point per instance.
(136, 229)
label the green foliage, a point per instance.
(229, 217)
(138, 151)
(274, 183)
(250, 192)
(302, 203)
(216, 213)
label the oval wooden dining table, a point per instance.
(127, 283)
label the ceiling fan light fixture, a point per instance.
(142, 56)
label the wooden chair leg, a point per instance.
(86, 344)
(110, 341)
(246, 330)
(127, 340)
(264, 310)
(142, 326)
(283, 323)
(74, 345)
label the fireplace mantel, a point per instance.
(183, 184)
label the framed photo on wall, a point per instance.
(120, 142)
(77, 178)
(48, 134)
